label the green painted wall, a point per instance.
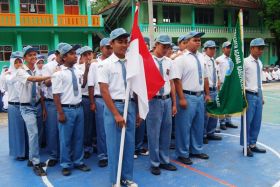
(73, 38)
(12, 8)
(186, 13)
(219, 16)
(60, 7)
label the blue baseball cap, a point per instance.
(209, 44)
(257, 42)
(85, 49)
(78, 51)
(17, 54)
(181, 38)
(64, 48)
(147, 40)
(41, 57)
(51, 52)
(175, 48)
(226, 44)
(117, 33)
(164, 39)
(29, 49)
(59, 46)
(194, 34)
(104, 42)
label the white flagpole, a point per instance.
(244, 115)
(123, 134)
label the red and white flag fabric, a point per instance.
(145, 77)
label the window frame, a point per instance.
(5, 53)
(4, 3)
(171, 14)
(204, 16)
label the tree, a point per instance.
(98, 5)
(271, 14)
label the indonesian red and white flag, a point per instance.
(145, 77)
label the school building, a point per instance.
(176, 17)
(45, 23)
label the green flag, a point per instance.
(230, 99)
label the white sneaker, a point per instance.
(135, 156)
(128, 183)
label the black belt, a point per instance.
(192, 93)
(252, 93)
(122, 100)
(47, 99)
(71, 106)
(98, 96)
(161, 97)
(29, 104)
(13, 103)
(212, 88)
(85, 96)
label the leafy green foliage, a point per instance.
(98, 5)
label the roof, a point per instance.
(112, 5)
(234, 3)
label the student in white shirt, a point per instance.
(66, 87)
(97, 103)
(29, 98)
(253, 86)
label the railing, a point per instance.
(95, 19)
(35, 20)
(72, 20)
(7, 19)
(172, 28)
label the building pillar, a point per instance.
(89, 13)
(90, 39)
(55, 39)
(17, 12)
(19, 41)
(193, 18)
(54, 12)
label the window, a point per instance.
(5, 52)
(33, 6)
(4, 6)
(245, 17)
(42, 48)
(155, 14)
(71, 2)
(171, 14)
(204, 16)
(226, 18)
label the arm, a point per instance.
(206, 90)
(179, 90)
(91, 98)
(110, 104)
(38, 78)
(44, 110)
(85, 76)
(61, 116)
(173, 98)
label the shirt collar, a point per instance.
(65, 68)
(114, 58)
(188, 52)
(252, 58)
(27, 68)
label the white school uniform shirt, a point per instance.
(264, 77)
(210, 70)
(166, 66)
(268, 76)
(25, 86)
(185, 68)
(110, 72)
(251, 78)
(223, 64)
(92, 76)
(11, 86)
(82, 68)
(48, 70)
(274, 75)
(62, 84)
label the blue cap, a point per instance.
(181, 38)
(41, 57)
(51, 52)
(164, 39)
(28, 49)
(78, 51)
(117, 33)
(209, 43)
(147, 40)
(85, 49)
(257, 42)
(175, 48)
(64, 48)
(193, 34)
(59, 46)
(226, 44)
(17, 54)
(104, 42)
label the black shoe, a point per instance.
(168, 167)
(230, 125)
(52, 163)
(87, 155)
(83, 167)
(201, 156)
(213, 137)
(30, 164)
(217, 131)
(172, 146)
(155, 170)
(184, 160)
(249, 152)
(38, 170)
(205, 140)
(223, 127)
(66, 172)
(257, 149)
(20, 158)
(143, 152)
(103, 163)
